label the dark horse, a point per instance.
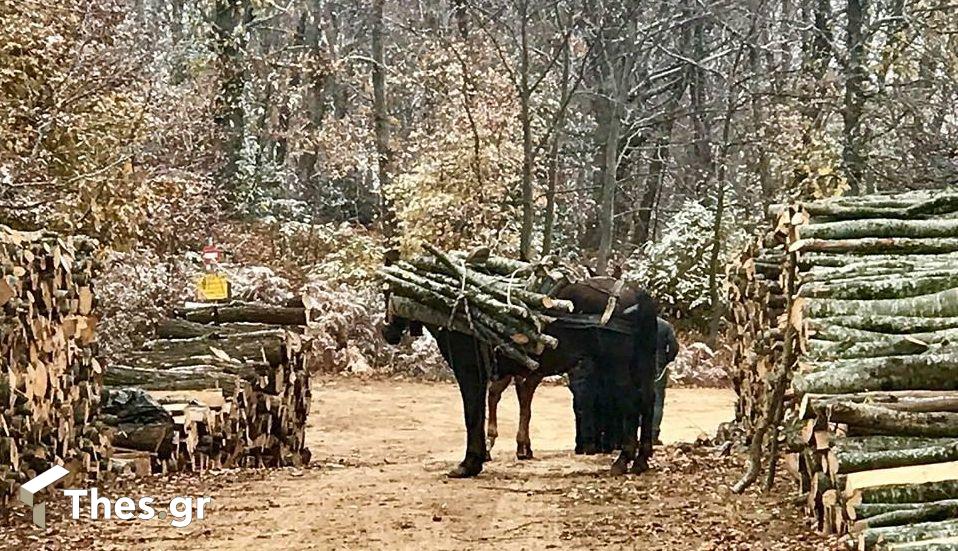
(623, 350)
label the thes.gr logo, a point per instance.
(29, 491)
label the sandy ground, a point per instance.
(380, 451)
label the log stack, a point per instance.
(503, 302)
(49, 378)
(221, 386)
(871, 319)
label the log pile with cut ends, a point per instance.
(221, 386)
(49, 378)
(500, 301)
(864, 293)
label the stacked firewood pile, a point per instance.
(854, 301)
(221, 386)
(49, 379)
(500, 301)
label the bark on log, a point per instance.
(880, 324)
(914, 532)
(192, 378)
(937, 305)
(921, 512)
(906, 400)
(881, 227)
(910, 493)
(175, 329)
(853, 462)
(878, 245)
(930, 371)
(868, 510)
(883, 443)
(880, 420)
(899, 287)
(236, 312)
(937, 544)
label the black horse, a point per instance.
(622, 350)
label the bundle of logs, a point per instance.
(500, 301)
(222, 385)
(843, 326)
(49, 379)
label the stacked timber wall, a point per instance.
(844, 323)
(49, 379)
(222, 386)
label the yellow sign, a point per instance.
(213, 287)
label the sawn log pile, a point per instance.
(221, 386)
(843, 326)
(49, 378)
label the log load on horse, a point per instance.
(595, 325)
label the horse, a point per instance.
(623, 349)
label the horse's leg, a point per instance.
(496, 388)
(645, 381)
(472, 381)
(525, 390)
(626, 397)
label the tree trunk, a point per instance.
(853, 154)
(230, 43)
(609, 180)
(381, 119)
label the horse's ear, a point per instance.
(390, 257)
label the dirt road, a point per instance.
(380, 450)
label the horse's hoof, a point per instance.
(523, 453)
(488, 456)
(589, 449)
(579, 450)
(619, 467)
(639, 466)
(464, 471)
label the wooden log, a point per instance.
(936, 544)
(878, 227)
(888, 421)
(240, 312)
(868, 510)
(181, 378)
(931, 206)
(901, 534)
(942, 304)
(878, 245)
(931, 371)
(844, 462)
(876, 325)
(909, 493)
(904, 400)
(917, 512)
(885, 287)
(174, 328)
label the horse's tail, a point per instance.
(645, 326)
